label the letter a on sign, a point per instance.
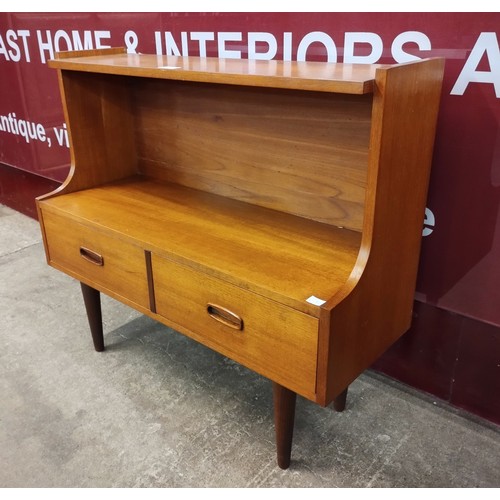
(487, 44)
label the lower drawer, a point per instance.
(96, 258)
(267, 337)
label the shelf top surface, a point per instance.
(281, 256)
(313, 76)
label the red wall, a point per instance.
(458, 296)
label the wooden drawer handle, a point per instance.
(92, 256)
(225, 316)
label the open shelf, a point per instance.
(278, 255)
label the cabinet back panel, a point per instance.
(303, 153)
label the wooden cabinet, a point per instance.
(270, 210)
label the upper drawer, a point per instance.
(267, 337)
(98, 259)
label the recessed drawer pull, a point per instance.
(225, 316)
(92, 256)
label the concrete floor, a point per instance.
(158, 410)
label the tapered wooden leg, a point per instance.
(92, 300)
(339, 401)
(284, 416)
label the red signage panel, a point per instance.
(459, 268)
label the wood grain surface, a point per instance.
(283, 257)
(313, 76)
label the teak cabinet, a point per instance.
(270, 210)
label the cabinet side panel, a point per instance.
(374, 309)
(100, 127)
(303, 153)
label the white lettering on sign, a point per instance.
(11, 49)
(61, 134)
(372, 39)
(287, 46)
(171, 48)
(323, 38)
(202, 37)
(358, 47)
(26, 129)
(224, 52)
(486, 45)
(131, 41)
(32, 131)
(400, 56)
(266, 38)
(429, 220)
(49, 44)
(223, 38)
(264, 45)
(77, 41)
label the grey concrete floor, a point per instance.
(158, 410)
